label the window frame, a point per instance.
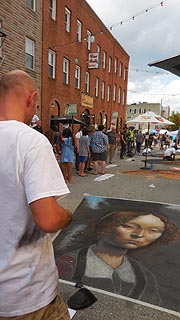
(119, 95)
(52, 10)
(115, 65)
(87, 82)
(104, 59)
(89, 34)
(96, 87)
(30, 53)
(67, 20)
(77, 77)
(109, 64)
(108, 92)
(79, 31)
(66, 65)
(103, 90)
(53, 65)
(114, 92)
(31, 5)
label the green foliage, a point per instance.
(175, 117)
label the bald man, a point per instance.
(30, 181)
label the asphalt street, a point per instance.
(127, 179)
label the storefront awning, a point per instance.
(170, 64)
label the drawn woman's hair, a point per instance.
(115, 219)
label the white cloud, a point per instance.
(151, 36)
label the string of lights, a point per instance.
(156, 94)
(147, 71)
(138, 14)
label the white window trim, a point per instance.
(67, 19)
(77, 77)
(29, 52)
(79, 31)
(53, 64)
(98, 48)
(125, 73)
(104, 60)
(119, 95)
(114, 93)
(115, 65)
(102, 90)
(108, 93)
(66, 71)
(109, 64)
(96, 87)
(53, 10)
(120, 69)
(33, 6)
(89, 39)
(87, 78)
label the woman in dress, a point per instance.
(67, 154)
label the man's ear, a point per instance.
(32, 98)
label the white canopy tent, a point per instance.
(149, 117)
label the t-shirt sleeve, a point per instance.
(42, 175)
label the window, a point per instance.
(79, 31)
(124, 99)
(141, 111)
(102, 90)
(120, 69)
(29, 53)
(96, 87)
(125, 73)
(98, 49)
(115, 65)
(51, 64)
(66, 71)
(109, 64)
(87, 82)
(114, 93)
(31, 4)
(77, 77)
(67, 19)
(119, 95)
(104, 60)
(133, 111)
(89, 40)
(52, 9)
(108, 92)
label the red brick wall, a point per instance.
(65, 44)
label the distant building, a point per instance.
(135, 109)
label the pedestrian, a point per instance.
(84, 151)
(34, 120)
(67, 154)
(30, 179)
(139, 140)
(99, 148)
(178, 136)
(77, 137)
(123, 142)
(112, 137)
(38, 126)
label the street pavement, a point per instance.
(127, 179)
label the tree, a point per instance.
(175, 117)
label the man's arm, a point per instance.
(49, 216)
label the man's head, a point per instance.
(18, 96)
(100, 127)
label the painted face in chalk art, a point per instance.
(139, 232)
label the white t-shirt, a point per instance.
(28, 171)
(169, 151)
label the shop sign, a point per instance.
(86, 101)
(93, 60)
(115, 115)
(71, 109)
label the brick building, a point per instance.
(78, 66)
(93, 88)
(21, 22)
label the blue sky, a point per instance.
(151, 36)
